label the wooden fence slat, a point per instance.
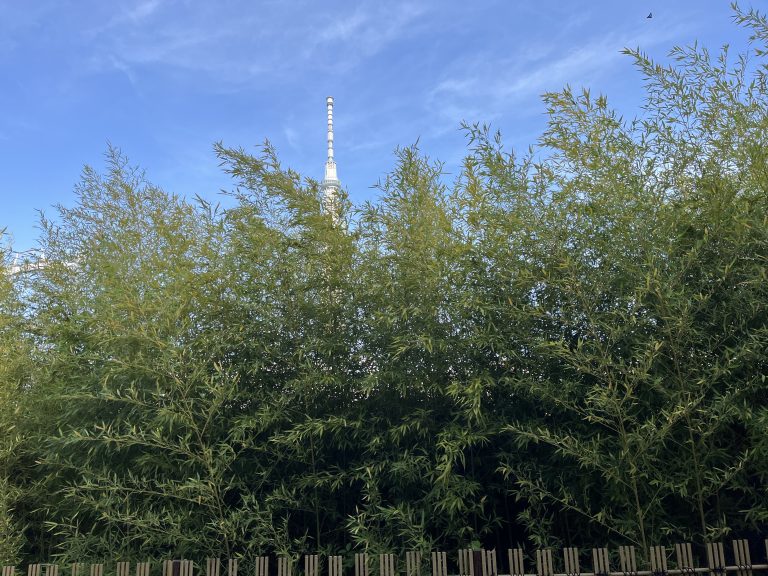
(212, 567)
(170, 568)
(600, 561)
(97, 570)
(33, 570)
(571, 558)
(488, 559)
(628, 560)
(262, 566)
(684, 557)
(386, 565)
(658, 556)
(334, 566)
(123, 569)
(413, 563)
(544, 562)
(466, 563)
(361, 564)
(310, 565)
(9, 570)
(232, 567)
(52, 570)
(742, 558)
(715, 557)
(439, 564)
(284, 566)
(516, 565)
(142, 569)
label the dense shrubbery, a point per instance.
(570, 348)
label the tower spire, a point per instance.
(331, 184)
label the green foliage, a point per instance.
(654, 307)
(14, 359)
(565, 346)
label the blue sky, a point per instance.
(165, 79)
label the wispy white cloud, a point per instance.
(142, 10)
(292, 137)
(20, 21)
(371, 28)
(237, 48)
(136, 13)
(345, 27)
(186, 47)
(125, 69)
(491, 85)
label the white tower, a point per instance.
(331, 184)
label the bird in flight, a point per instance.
(650, 15)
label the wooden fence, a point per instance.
(470, 563)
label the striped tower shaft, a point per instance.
(331, 185)
(330, 128)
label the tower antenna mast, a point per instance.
(331, 185)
